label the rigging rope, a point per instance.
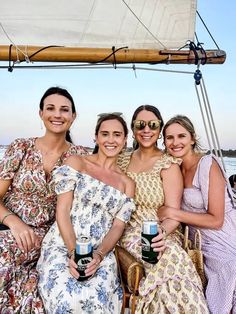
(147, 29)
(207, 117)
(207, 29)
(200, 88)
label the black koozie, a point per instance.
(148, 255)
(82, 261)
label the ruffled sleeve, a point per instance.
(126, 210)
(65, 179)
(165, 162)
(12, 158)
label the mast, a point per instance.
(99, 55)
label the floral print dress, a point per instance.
(172, 285)
(32, 197)
(95, 205)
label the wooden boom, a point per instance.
(98, 55)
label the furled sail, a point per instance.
(93, 30)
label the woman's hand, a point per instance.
(159, 243)
(73, 268)
(90, 269)
(93, 265)
(25, 237)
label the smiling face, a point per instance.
(178, 140)
(146, 137)
(57, 113)
(111, 137)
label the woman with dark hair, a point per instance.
(207, 205)
(172, 285)
(232, 181)
(95, 202)
(28, 201)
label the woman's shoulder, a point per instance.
(171, 159)
(165, 161)
(206, 161)
(77, 150)
(20, 144)
(74, 161)
(23, 141)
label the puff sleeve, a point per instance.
(65, 179)
(124, 214)
(12, 159)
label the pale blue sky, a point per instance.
(98, 91)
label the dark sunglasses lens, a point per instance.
(154, 124)
(139, 124)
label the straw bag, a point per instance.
(130, 272)
(193, 248)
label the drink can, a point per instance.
(149, 231)
(83, 255)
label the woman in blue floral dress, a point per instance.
(94, 200)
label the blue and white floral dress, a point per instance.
(95, 205)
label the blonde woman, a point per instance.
(208, 205)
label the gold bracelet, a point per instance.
(71, 253)
(6, 215)
(100, 254)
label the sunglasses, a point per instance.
(152, 124)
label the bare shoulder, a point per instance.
(75, 161)
(216, 170)
(172, 169)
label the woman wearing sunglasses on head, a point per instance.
(94, 203)
(172, 284)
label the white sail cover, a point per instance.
(151, 24)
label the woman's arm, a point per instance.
(108, 244)
(24, 235)
(173, 190)
(214, 217)
(64, 204)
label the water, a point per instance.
(230, 163)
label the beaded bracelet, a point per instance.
(6, 215)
